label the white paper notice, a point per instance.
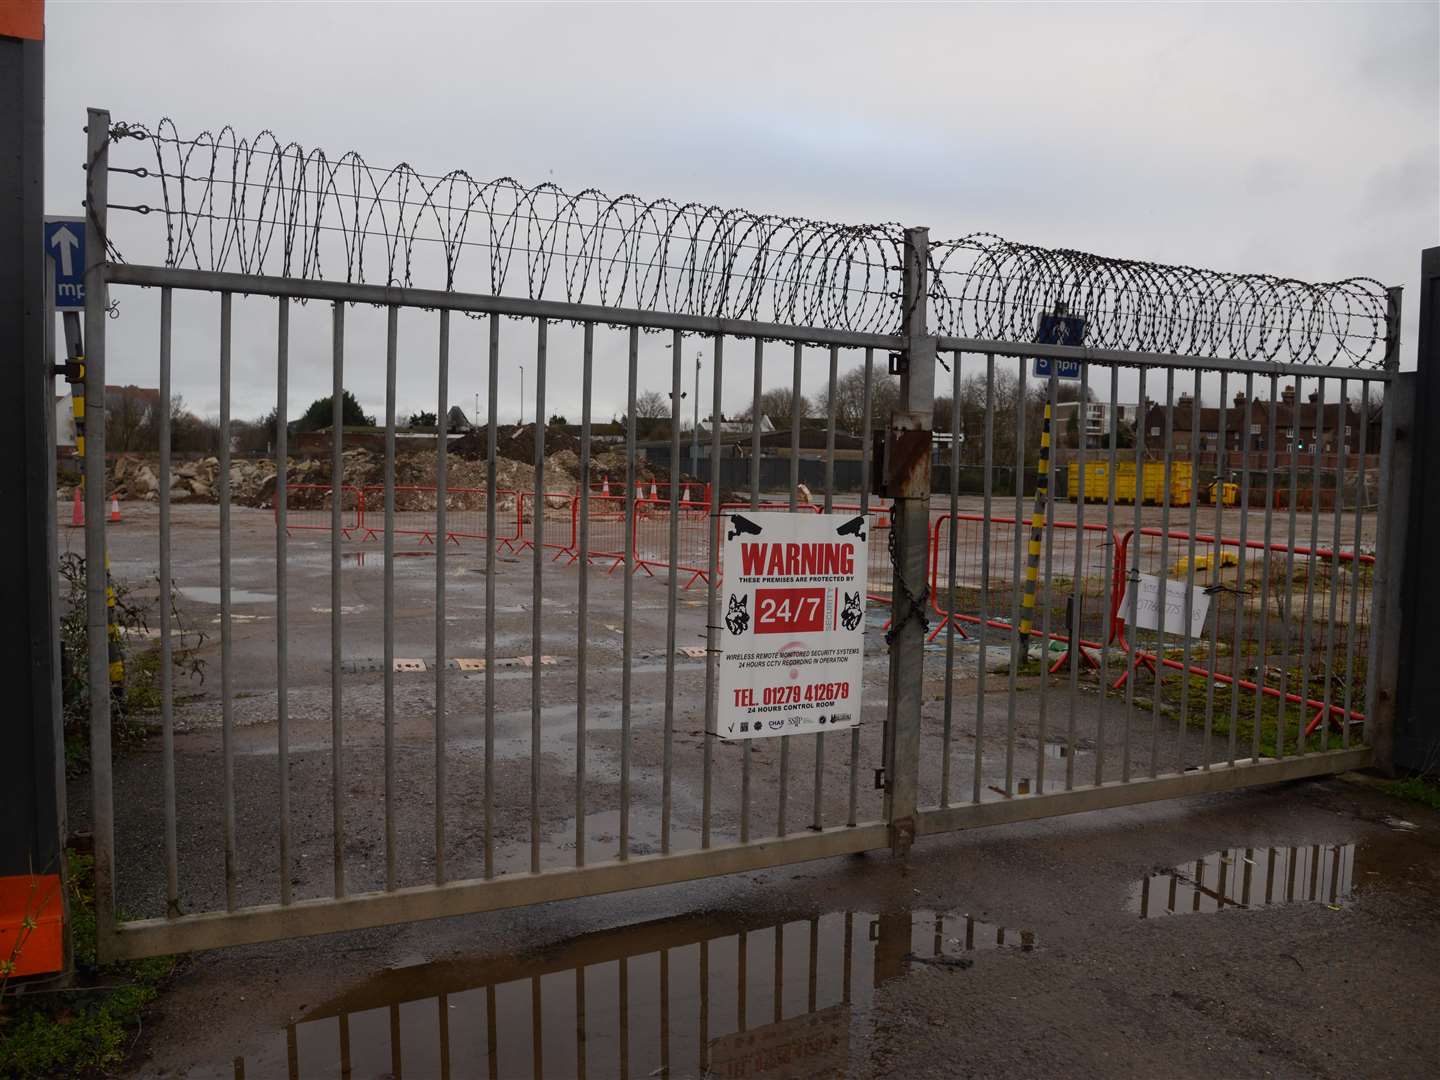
(1147, 607)
(793, 613)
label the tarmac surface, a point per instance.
(1076, 983)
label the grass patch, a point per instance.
(89, 1027)
(1416, 789)
(1196, 692)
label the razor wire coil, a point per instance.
(260, 206)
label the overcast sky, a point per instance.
(1299, 140)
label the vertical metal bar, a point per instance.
(1133, 632)
(537, 1008)
(664, 1069)
(866, 430)
(627, 638)
(1316, 442)
(227, 672)
(97, 183)
(1216, 568)
(703, 997)
(1189, 569)
(337, 499)
(1045, 503)
(795, 419)
(1160, 634)
(1341, 436)
(167, 689)
(442, 1009)
(1016, 584)
(985, 530)
(779, 968)
(1242, 590)
(1281, 711)
(282, 583)
(582, 622)
(1110, 583)
(537, 620)
(580, 1039)
(392, 330)
(1266, 563)
(755, 420)
(442, 540)
(491, 439)
(667, 780)
(1352, 623)
(818, 821)
(1077, 592)
(949, 706)
(712, 612)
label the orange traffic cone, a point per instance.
(639, 491)
(685, 493)
(114, 510)
(654, 490)
(77, 511)
(606, 489)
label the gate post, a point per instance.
(97, 193)
(1407, 735)
(907, 480)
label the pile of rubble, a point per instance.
(252, 480)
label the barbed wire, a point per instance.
(983, 286)
(260, 206)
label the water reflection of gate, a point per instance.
(720, 995)
(1251, 878)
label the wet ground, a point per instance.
(1288, 931)
(521, 805)
(1312, 914)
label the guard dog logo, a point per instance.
(737, 619)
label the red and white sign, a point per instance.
(793, 628)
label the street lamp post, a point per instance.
(522, 394)
(695, 430)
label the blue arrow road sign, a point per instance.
(65, 243)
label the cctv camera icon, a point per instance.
(854, 527)
(743, 526)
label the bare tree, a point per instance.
(849, 404)
(651, 407)
(776, 405)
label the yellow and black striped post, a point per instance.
(75, 375)
(1037, 533)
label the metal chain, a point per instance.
(919, 605)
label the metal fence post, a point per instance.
(908, 482)
(1407, 735)
(97, 176)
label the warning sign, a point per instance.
(792, 646)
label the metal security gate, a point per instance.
(547, 775)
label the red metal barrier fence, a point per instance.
(1275, 608)
(466, 514)
(1258, 591)
(308, 507)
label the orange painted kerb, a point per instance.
(37, 897)
(22, 19)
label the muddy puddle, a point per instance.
(1243, 879)
(718, 994)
